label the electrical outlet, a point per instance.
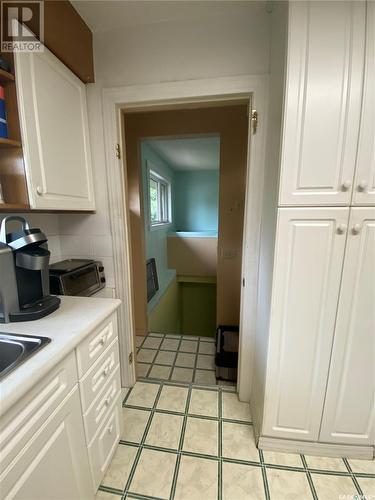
(229, 254)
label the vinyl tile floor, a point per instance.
(177, 358)
(185, 442)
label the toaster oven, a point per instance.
(82, 277)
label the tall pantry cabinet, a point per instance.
(319, 377)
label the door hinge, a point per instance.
(254, 120)
(243, 282)
(130, 358)
(118, 151)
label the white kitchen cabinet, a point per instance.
(309, 253)
(54, 464)
(364, 183)
(92, 382)
(315, 358)
(57, 441)
(109, 395)
(349, 409)
(54, 129)
(100, 391)
(323, 103)
(103, 447)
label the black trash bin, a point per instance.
(226, 359)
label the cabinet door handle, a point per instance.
(107, 401)
(356, 229)
(362, 185)
(110, 429)
(40, 190)
(346, 185)
(341, 228)
(102, 340)
(106, 371)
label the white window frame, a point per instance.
(152, 174)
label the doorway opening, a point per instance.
(186, 181)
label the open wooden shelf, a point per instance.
(6, 77)
(206, 280)
(9, 143)
(12, 168)
(12, 207)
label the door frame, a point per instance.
(118, 99)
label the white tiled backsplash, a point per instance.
(76, 236)
(90, 247)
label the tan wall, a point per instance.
(137, 238)
(192, 256)
(231, 123)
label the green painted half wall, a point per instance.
(165, 316)
(187, 307)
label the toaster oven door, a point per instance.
(83, 282)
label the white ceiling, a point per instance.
(107, 15)
(196, 153)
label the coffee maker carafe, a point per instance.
(24, 274)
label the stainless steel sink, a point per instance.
(15, 349)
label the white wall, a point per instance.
(269, 212)
(236, 41)
(48, 223)
(89, 235)
(226, 39)
(230, 41)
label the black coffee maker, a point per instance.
(24, 275)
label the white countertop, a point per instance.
(66, 327)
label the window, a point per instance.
(160, 194)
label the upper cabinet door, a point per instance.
(364, 183)
(54, 126)
(322, 102)
(349, 409)
(309, 254)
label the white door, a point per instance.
(309, 253)
(349, 409)
(322, 102)
(54, 126)
(364, 183)
(54, 465)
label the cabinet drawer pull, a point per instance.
(39, 190)
(341, 228)
(362, 185)
(103, 340)
(346, 185)
(356, 229)
(107, 401)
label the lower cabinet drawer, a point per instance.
(96, 378)
(105, 399)
(103, 447)
(90, 349)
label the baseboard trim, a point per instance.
(320, 449)
(124, 391)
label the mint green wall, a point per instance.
(196, 200)
(156, 239)
(195, 197)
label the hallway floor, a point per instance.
(177, 358)
(185, 442)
